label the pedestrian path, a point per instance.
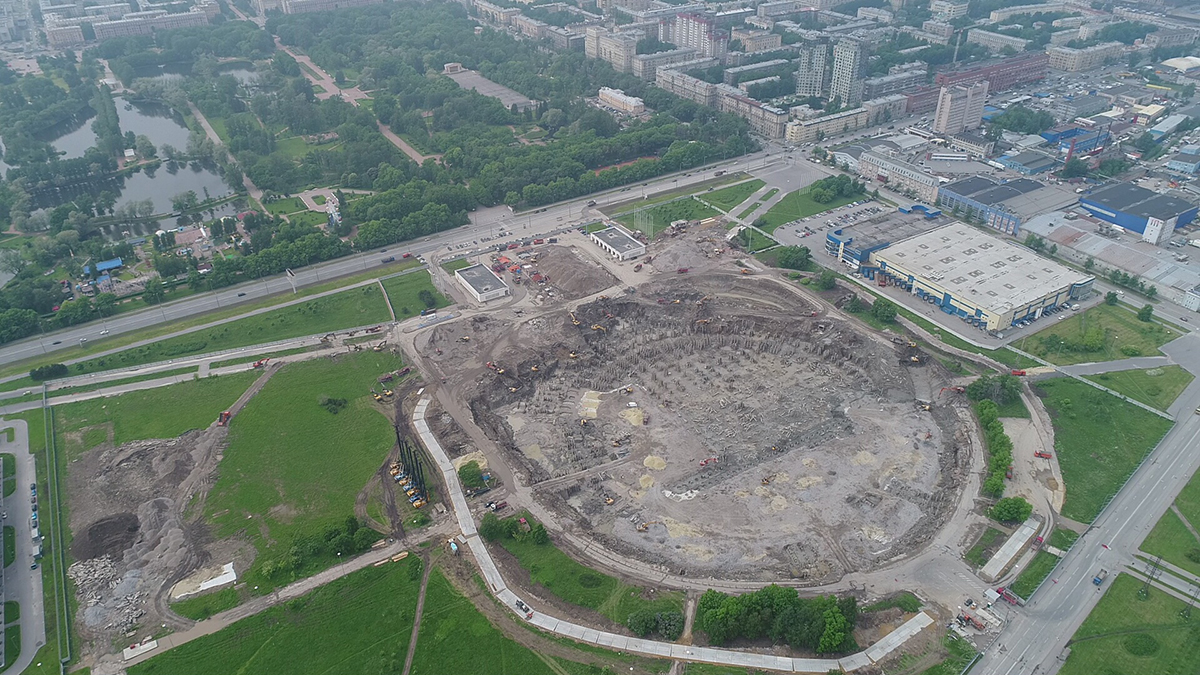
(670, 650)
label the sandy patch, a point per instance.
(654, 463)
(634, 416)
(646, 482)
(472, 457)
(862, 458)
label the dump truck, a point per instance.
(1100, 577)
(223, 419)
(1018, 372)
(1043, 455)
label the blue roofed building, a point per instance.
(1029, 163)
(1135, 209)
(106, 266)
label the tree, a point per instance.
(105, 304)
(538, 534)
(1146, 313)
(1089, 263)
(491, 528)
(471, 475)
(642, 622)
(1035, 242)
(1111, 298)
(826, 280)
(50, 372)
(1011, 510)
(793, 257)
(154, 292)
(144, 146)
(884, 310)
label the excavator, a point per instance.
(387, 393)
(534, 369)
(598, 327)
(642, 527)
(465, 338)
(573, 355)
(574, 321)
(582, 422)
(378, 347)
(609, 501)
(746, 271)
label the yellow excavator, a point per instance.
(573, 355)
(642, 527)
(574, 321)
(598, 327)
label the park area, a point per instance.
(728, 198)
(1173, 538)
(1156, 387)
(1128, 634)
(411, 293)
(1102, 333)
(1100, 440)
(655, 219)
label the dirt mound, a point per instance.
(571, 276)
(106, 537)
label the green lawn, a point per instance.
(990, 539)
(218, 125)
(10, 545)
(12, 644)
(1125, 634)
(12, 612)
(1156, 387)
(1117, 333)
(658, 218)
(296, 147)
(360, 623)
(165, 412)
(355, 307)
(749, 209)
(667, 195)
(291, 466)
(455, 265)
(960, 654)
(404, 293)
(312, 218)
(797, 205)
(728, 198)
(1099, 439)
(1170, 538)
(456, 638)
(1063, 539)
(201, 607)
(285, 205)
(758, 241)
(770, 193)
(560, 575)
(1014, 408)
(319, 200)
(1032, 576)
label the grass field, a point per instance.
(1100, 440)
(728, 198)
(355, 307)
(559, 574)
(1034, 573)
(1125, 634)
(285, 204)
(797, 205)
(404, 291)
(291, 466)
(758, 241)
(12, 612)
(296, 147)
(12, 643)
(1156, 387)
(1063, 539)
(960, 653)
(1171, 538)
(656, 219)
(695, 188)
(313, 218)
(165, 412)
(1123, 336)
(990, 538)
(201, 607)
(358, 624)
(455, 265)
(450, 623)
(750, 209)
(1014, 408)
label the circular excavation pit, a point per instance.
(723, 427)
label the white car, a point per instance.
(104, 332)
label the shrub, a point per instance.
(49, 372)
(1011, 510)
(471, 475)
(642, 622)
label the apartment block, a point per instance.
(1061, 37)
(1171, 37)
(938, 28)
(948, 9)
(756, 40)
(306, 6)
(894, 83)
(619, 100)
(820, 4)
(700, 32)
(875, 14)
(646, 66)
(1001, 74)
(618, 49)
(734, 75)
(1076, 60)
(815, 62)
(764, 119)
(685, 86)
(145, 23)
(775, 9)
(61, 36)
(820, 128)
(898, 175)
(960, 108)
(493, 14)
(885, 108)
(995, 42)
(1017, 10)
(849, 66)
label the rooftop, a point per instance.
(480, 278)
(983, 269)
(1034, 161)
(618, 240)
(1139, 201)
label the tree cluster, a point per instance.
(646, 622)
(1011, 510)
(494, 528)
(1022, 120)
(471, 475)
(1003, 389)
(342, 540)
(822, 624)
(48, 372)
(840, 186)
(999, 447)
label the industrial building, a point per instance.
(618, 243)
(985, 281)
(482, 283)
(1002, 206)
(1028, 163)
(1135, 209)
(898, 175)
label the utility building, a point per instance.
(617, 243)
(1136, 209)
(482, 283)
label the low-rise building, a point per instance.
(756, 40)
(482, 283)
(1003, 206)
(619, 100)
(972, 143)
(1080, 106)
(734, 75)
(646, 66)
(899, 175)
(939, 28)
(1029, 163)
(1171, 37)
(1000, 74)
(875, 14)
(885, 108)
(828, 126)
(996, 42)
(683, 85)
(894, 82)
(949, 9)
(1135, 209)
(1076, 60)
(618, 243)
(764, 119)
(1184, 162)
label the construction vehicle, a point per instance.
(378, 347)
(404, 371)
(573, 355)
(642, 527)
(1099, 578)
(966, 616)
(1018, 372)
(681, 270)
(261, 363)
(710, 460)
(924, 406)
(512, 390)
(419, 503)
(1008, 596)
(914, 359)
(676, 301)
(746, 271)
(609, 501)
(533, 369)
(574, 321)
(582, 422)
(912, 345)
(223, 419)
(385, 378)
(598, 327)
(957, 390)
(387, 393)
(628, 390)
(376, 396)
(700, 321)
(465, 338)
(767, 480)
(1043, 455)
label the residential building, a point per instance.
(814, 69)
(145, 23)
(764, 119)
(745, 85)
(530, 28)
(493, 14)
(923, 99)
(820, 128)
(618, 49)
(683, 85)
(895, 81)
(1076, 60)
(1171, 37)
(619, 100)
(699, 32)
(996, 42)
(849, 67)
(305, 6)
(899, 175)
(775, 9)
(60, 36)
(949, 9)
(734, 75)
(1017, 10)
(646, 66)
(885, 108)
(939, 28)
(1001, 74)
(1060, 38)
(756, 40)
(820, 4)
(960, 108)
(875, 14)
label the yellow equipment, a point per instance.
(387, 393)
(603, 297)
(573, 355)
(583, 423)
(376, 396)
(746, 271)
(465, 338)
(703, 321)
(512, 390)
(574, 321)
(925, 406)
(598, 327)
(419, 503)
(642, 527)
(609, 501)
(914, 359)
(912, 345)
(534, 369)
(628, 390)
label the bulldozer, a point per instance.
(767, 480)
(914, 359)
(609, 501)
(512, 390)
(574, 321)
(676, 301)
(598, 327)
(912, 345)
(419, 503)
(603, 297)
(628, 390)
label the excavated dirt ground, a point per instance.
(765, 442)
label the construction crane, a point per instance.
(574, 321)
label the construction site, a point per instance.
(715, 422)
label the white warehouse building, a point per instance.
(482, 283)
(618, 243)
